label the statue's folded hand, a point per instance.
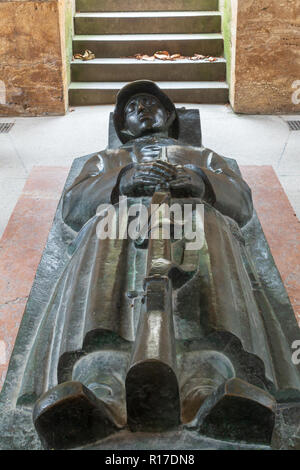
(144, 178)
(187, 183)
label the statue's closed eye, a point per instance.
(130, 108)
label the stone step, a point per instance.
(142, 5)
(106, 70)
(96, 93)
(159, 22)
(114, 46)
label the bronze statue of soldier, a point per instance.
(146, 335)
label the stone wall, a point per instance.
(33, 57)
(265, 73)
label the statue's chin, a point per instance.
(151, 129)
(146, 129)
(147, 125)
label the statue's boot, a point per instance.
(152, 396)
(70, 415)
(237, 411)
(202, 372)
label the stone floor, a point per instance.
(56, 141)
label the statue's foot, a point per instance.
(152, 397)
(237, 411)
(70, 415)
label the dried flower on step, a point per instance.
(88, 55)
(144, 57)
(165, 55)
(148, 57)
(199, 56)
(176, 57)
(162, 55)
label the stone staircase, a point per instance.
(116, 29)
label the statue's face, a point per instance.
(144, 114)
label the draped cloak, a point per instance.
(94, 291)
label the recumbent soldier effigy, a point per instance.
(149, 335)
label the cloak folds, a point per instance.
(98, 291)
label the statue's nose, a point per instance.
(141, 106)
